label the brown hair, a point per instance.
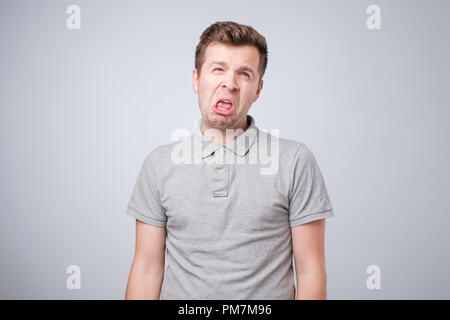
(229, 32)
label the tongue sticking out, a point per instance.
(223, 105)
(223, 108)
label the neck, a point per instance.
(219, 136)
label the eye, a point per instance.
(217, 69)
(246, 74)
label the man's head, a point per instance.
(230, 61)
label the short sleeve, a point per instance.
(309, 199)
(144, 203)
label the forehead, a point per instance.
(242, 54)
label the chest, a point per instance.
(223, 198)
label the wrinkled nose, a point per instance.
(230, 83)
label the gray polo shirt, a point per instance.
(227, 216)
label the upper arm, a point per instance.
(308, 246)
(308, 195)
(145, 203)
(150, 245)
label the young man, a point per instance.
(230, 228)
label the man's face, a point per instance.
(232, 73)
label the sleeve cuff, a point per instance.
(146, 219)
(311, 217)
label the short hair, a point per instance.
(232, 33)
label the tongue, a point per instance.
(224, 105)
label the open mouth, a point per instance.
(224, 106)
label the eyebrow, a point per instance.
(244, 67)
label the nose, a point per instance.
(230, 82)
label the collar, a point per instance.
(240, 145)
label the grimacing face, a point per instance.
(229, 72)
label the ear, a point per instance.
(260, 86)
(195, 80)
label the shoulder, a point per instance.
(293, 152)
(288, 148)
(161, 155)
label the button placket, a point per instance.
(220, 180)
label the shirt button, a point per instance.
(219, 170)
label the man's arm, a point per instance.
(309, 256)
(147, 269)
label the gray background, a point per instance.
(81, 109)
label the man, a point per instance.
(229, 227)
